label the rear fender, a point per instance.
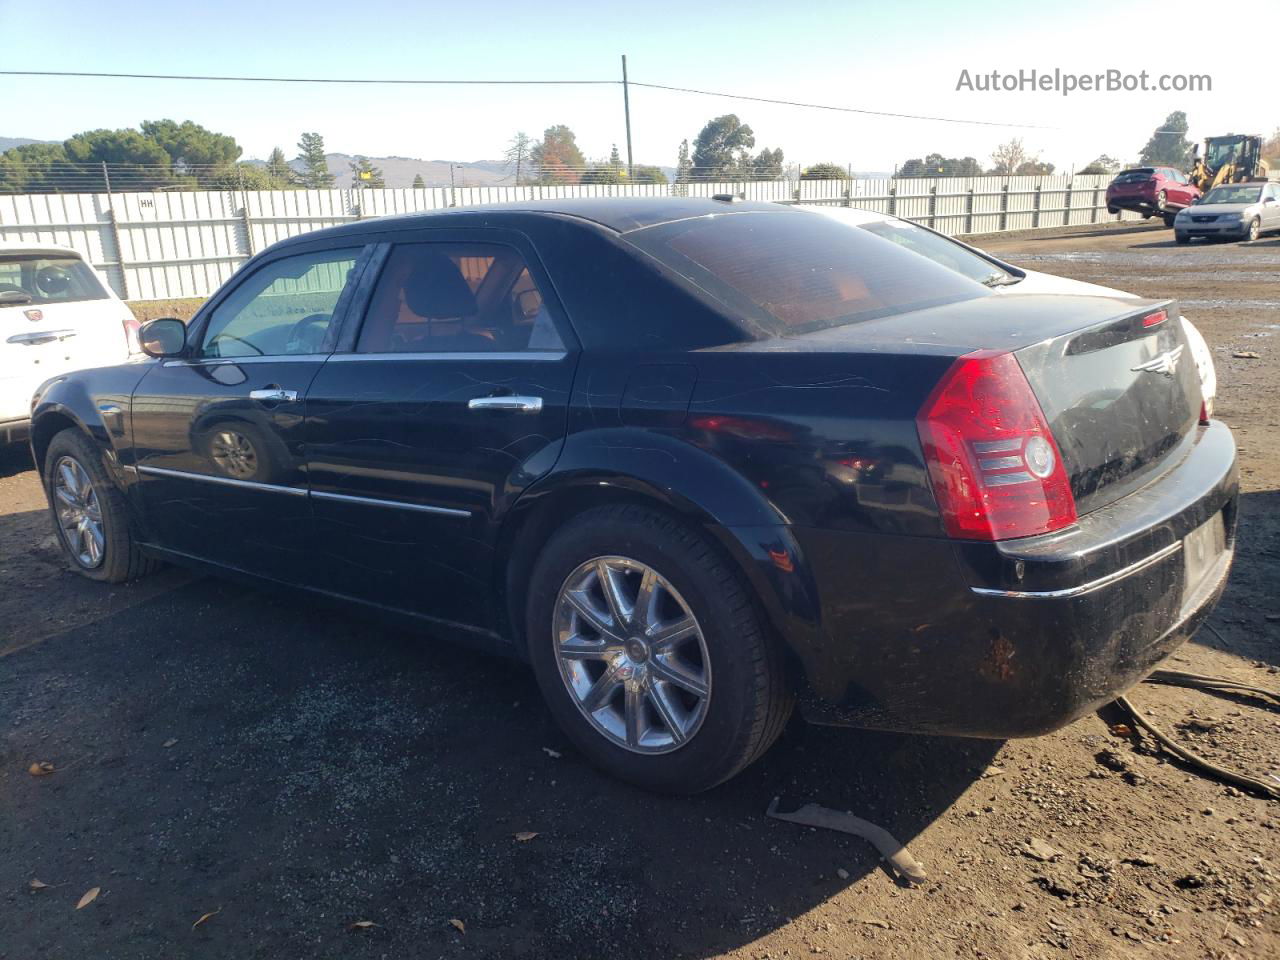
(619, 464)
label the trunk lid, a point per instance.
(1121, 397)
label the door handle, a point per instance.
(516, 404)
(38, 337)
(274, 394)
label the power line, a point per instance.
(418, 82)
(824, 106)
(391, 80)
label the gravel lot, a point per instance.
(295, 768)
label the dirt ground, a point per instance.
(294, 768)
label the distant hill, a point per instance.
(400, 171)
(8, 143)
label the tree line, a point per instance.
(166, 155)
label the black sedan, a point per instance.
(694, 460)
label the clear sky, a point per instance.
(903, 56)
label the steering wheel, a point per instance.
(307, 334)
(229, 336)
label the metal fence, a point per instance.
(154, 246)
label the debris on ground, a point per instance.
(812, 815)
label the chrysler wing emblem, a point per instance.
(1166, 363)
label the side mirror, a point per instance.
(166, 337)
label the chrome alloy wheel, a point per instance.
(79, 514)
(632, 655)
(234, 454)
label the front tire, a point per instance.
(89, 514)
(650, 652)
(1162, 202)
(1180, 236)
(1255, 229)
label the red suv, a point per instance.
(1152, 192)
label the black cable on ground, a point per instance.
(1197, 681)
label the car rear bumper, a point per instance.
(1022, 637)
(14, 431)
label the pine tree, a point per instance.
(365, 174)
(418, 182)
(315, 173)
(684, 166)
(278, 170)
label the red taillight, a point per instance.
(131, 328)
(996, 470)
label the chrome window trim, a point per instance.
(1084, 587)
(393, 504)
(226, 481)
(538, 355)
(302, 492)
(282, 358)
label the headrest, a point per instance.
(436, 290)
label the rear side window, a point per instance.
(32, 278)
(457, 298)
(791, 273)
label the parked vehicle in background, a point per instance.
(1237, 211)
(56, 314)
(1152, 192)
(694, 460)
(1004, 277)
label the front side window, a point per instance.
(457, 298)
(281, 309)
(46, 279)
(791, 273)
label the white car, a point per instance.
(56, 314)
(1000, 276)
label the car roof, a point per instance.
(849, 214)
(12, 246)
(619, 214)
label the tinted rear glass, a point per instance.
(1135, 176)
(47, 279)
(788, 273)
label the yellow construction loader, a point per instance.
(1233, 158)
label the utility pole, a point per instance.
(626, 109)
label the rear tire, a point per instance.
(732, 657)
(89, 515)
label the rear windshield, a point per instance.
(790, 273)
(35, 278)
(1135, 176)
(939, 249)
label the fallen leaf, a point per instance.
(41, 769)
(37, 884)
(206, 917)
(90, 895)
(524, 836)
(1246, 355)
(169, 743)
(457, 925)
(553, 754)
(1122, 730)
(362, 925)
